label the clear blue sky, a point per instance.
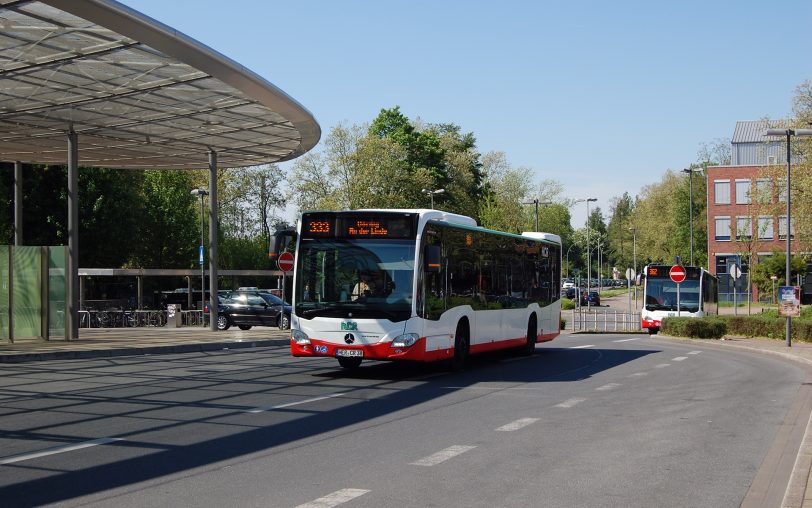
(601, 96)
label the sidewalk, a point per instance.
(106, 342)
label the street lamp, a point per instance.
(431, 193)
(202, 193)
(568, 260)
(634, 262)
(588, 253)
(788, 133)
(537, 203)
(691, 172)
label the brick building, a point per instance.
(739, 231)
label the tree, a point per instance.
(169, 226)
(618, 234)
(505, 190)
(775, 266)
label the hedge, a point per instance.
(567, 304)
(765, 325)
(695, 328)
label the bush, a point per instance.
(765, 325)
(567, 304)
(563, 324)
(695, 328)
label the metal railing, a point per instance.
(111, 318)
(605, 321)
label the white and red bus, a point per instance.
(420, 285)
(698, 295)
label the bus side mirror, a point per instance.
(431, 259)
(280, 242)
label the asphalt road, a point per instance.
(589, 420)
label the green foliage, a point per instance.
(695, 328)
(769, 327)
(567, 304)
(775, 265)
(562, 323)
(169, 229)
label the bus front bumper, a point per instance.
(381, 351)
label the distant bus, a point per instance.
(698, 295)
(420, 285)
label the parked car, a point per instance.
(593, 298)
(245, 309)
(570, 293)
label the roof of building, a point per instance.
(138, 93)
(752, 131)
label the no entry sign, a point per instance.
(677, 273)
(285, 261)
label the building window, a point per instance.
(782, 228)
(764, 191)
(765, 228)
(722, 228)
(782, 191)
(744, 228)
(721, 191)
(742, 192)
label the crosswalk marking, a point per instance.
(679, 358)
(694, 352)
(610, 386)
(582, 347)
(626, 340)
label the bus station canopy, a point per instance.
(138, 93)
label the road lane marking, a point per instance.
(582, 347)
(291, 404)
(336, 498)
(660, 366)
(518, 424)
(638, 374)
(610, 386)
(57, 449)
(443, 455)
(679, 358)
(694, 352)
(626, 340)
(570, 403)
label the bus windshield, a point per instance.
(661, 294)
(367, 278)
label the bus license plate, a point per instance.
(349, 352)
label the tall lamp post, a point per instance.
(634, 262)
(568, 260)
(537, 203)
(788, 133)
(691, 172)
(588, 254)
(431, 193)
(202, 193)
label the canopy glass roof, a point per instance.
(138, 93)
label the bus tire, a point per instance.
(532, 333)
(462, 344)
(653, 331)
(349, 362)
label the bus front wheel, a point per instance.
(462, 341)
(532, 332)
(653, 331)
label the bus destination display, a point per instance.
(366, 226)
(662, 272)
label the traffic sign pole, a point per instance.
(285, 263)
(677, 274)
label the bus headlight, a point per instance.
(299, 337)
(405, 340)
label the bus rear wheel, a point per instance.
(653, 331)
(349, 362)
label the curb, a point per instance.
(135, 350)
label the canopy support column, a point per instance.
(212, 240)
(72, 265)
(18, 203)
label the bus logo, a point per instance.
(349, 325)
